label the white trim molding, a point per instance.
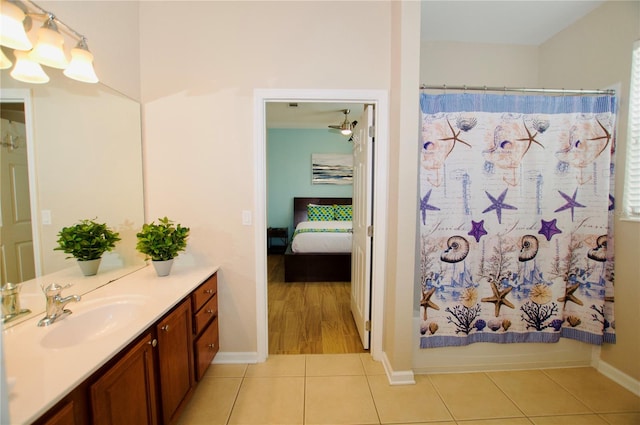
(380, 100)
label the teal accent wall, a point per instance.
(289, 170)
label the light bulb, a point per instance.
(81, 66)
(12, 33)
(49, 49)
(28, 71)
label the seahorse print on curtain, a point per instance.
(516, 219)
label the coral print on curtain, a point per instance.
(516, 219)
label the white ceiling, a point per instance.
(530, 22)
(526, 22)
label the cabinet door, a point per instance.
(175, 358)
(126, 393)
(206, 348)
(63, 416)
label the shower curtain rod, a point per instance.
(516, 89)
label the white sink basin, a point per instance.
(92, 323)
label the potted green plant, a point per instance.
(162, 242)
(86, 241)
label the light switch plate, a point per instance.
(246, 217)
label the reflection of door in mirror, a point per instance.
(16, 242)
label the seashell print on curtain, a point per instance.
(516, 219)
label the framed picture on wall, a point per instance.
(331, 168)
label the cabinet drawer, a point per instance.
(206, 348)
(204, 292)
(206, 313)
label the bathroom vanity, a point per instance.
(132, 351)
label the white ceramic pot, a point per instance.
(163, 268)
(89, 267)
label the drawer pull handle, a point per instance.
(153, 342)
(208, 291)
(212, 346)
(165, 328)
(210, 311)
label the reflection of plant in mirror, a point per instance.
(162, 241)
(86, 240)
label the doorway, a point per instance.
(380, 100)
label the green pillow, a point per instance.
(343, 212)
(320, 212)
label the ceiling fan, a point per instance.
(346, 127)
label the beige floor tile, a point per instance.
(569, 420)
(226, 371)
(334, 365)
(595, 390)
(630, 418)
(536, 394)
(473, 396)
(339, 400)
(269, 400)
(212, 402)
(371, 367)
(428, 423)
(503, 421)
(407, 403)
(278, 365)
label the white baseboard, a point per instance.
(619, 377)
(225, 357)
(403, 377)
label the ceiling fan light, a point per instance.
(12, 33)
(49, 49)
(5, 63)
(81, 66)
(28, 71)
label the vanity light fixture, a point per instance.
(12, 33)
(49, 49)
(5, 63)
(28, 70)
(81, 66)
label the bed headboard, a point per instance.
(300, 206)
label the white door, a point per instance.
(362, 219)
(16, 241)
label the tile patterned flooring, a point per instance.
(353, 389)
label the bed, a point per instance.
(316, 266)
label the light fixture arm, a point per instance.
(41, 12)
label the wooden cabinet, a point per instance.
(126, 392)
(205, 324)
(62, 415)
(150, 381)
(175, 360)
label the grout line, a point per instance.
(435, 388)
(506, 395)
(235, 399)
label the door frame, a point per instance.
(13, 95)
(380, 99)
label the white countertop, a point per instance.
(43, 376)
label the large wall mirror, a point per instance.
(69, 151)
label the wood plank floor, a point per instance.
(309, 318)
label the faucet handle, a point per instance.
(53, 289)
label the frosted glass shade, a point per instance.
(28, 71)
(81, 66)
(12, 33)
(5, 63)
(49, 49)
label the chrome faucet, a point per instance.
(11, 302)
(55, 304)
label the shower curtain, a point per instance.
(516, 219)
